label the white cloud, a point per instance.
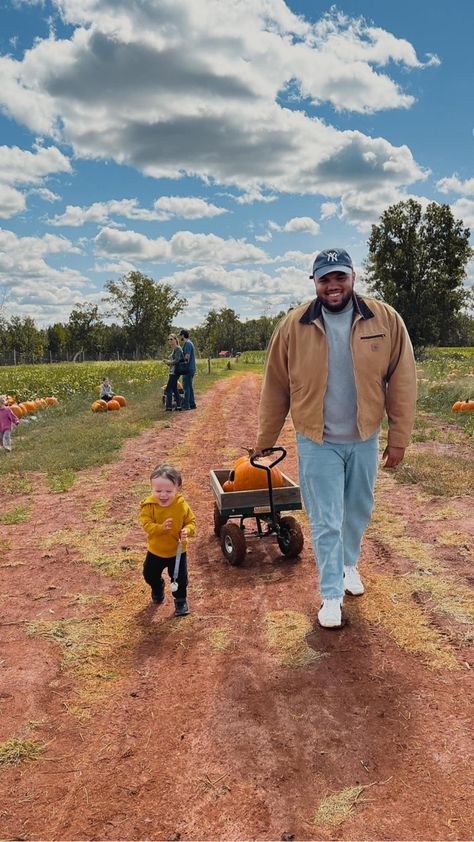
(180, 87)
(33, 287)
(182, 247)
(298, 225)
(464, 209)
(20, 167)
(166, 207)
(456, 185)
(329, 209)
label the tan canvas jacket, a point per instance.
(296, 372)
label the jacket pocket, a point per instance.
(374, 336)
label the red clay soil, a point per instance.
(179, 736)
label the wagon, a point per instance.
(233, 508)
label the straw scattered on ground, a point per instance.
(286, 636)
(18, 750)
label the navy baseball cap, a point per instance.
(332, 260)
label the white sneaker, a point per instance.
(329, 615)
(352, 581)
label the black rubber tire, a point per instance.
(291, 538)
(233, 543)
(219, 521)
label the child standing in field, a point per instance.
(106, 391)
(168, 521)
(8, 420)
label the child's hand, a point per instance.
(183, 534)
(167, 524)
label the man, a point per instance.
(338, 364)
(190, 358)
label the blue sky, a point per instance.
(217, 145)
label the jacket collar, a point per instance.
(314, 311)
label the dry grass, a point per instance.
(92, 547)
(448, 594)
(444, 475)
(4, 545)
(219, 639)
(20, 514)
(389, 529)
(392, 608)
(286, 635)
(97, 510)
(443, 513)
(335, 809)
(18, 750)
(97, 651)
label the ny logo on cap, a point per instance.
(332, 256)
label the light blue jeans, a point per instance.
(337, 485)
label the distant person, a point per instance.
(189, 353)
(338, 363)
(106, 391)
(8, 420)
(169, 522)
(173, 377)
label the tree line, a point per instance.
(416, 262)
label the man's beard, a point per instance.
(336, 308)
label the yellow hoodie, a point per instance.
(152, 516)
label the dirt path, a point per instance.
(239, 720)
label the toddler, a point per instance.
(168, 521)
(106, 391)
(8, 419)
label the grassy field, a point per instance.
(69, 437)
(61, 440)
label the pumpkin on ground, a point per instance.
(113, 405)
(99, 406)
(30, 406)
(51, 401)
(120, 399)
(463, 406)
(17, 410)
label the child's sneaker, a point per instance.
(329, 615)
(181, 608)
(352, 581)
(158, 597)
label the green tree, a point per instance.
(147, 309)
(85, 328)
(417, 263)
(56, 340)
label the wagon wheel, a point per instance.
(219, 520)
(233, 543)
(291, 539)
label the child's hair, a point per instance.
(169, 472)
(3, 399)
(104, 378)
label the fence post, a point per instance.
(14, 356)
(208, 365)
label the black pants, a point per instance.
(155, 565)
(172, 390)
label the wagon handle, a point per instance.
(272, 465)
(268, 468)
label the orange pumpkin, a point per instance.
(228, 485)
(99, 406)
(120, 399)
(467, 405)
(17, 410)
(113, 404)
(51, 401)
(24, 407)
(11, 399)
(456, 406)
(30, 406)
(247, 477)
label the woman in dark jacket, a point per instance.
(172, 384)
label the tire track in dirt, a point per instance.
(230, 744)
